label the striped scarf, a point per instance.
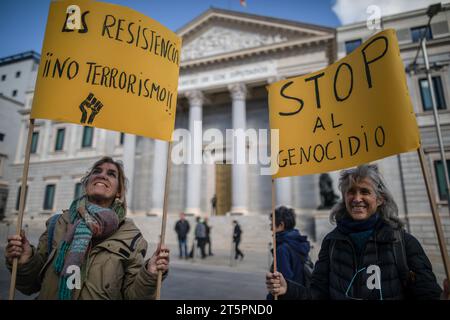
(87, 221)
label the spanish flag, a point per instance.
(243, 3)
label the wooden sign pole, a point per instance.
(22, 195)
(435, 212)
(164, 216)
(274, 238)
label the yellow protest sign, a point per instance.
(355, 111)
(108, 66)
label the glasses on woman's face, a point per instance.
(351, 283)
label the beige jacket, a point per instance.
(115, 268)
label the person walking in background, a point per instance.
(182, 228)
(214, 205)
(237, 239)
(208, 238)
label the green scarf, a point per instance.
(87, 221)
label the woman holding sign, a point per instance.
(91, 251)
(368, 256)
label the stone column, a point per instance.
(45, 134)
(99, 141)
(194, 153)
(239, 171)
(74, 135)
(159, 176)
(129, 148)
(283, 186)
(283, 192)
(109, 144)
(20, 151)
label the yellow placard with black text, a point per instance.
(355, 111)
(108, 66)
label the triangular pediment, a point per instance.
(217, 32)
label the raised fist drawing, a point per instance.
(93, 104)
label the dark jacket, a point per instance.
(338, 264)
(237, 233)
(200, 231)
(182, 228)
(292, 251)
(207, 230)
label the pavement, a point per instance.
(212, 278)
(217, 277)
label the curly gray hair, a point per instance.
(388, 210)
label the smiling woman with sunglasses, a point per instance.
(368, 256)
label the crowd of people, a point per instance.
(201, 241)
(368, 256)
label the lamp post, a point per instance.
(437, 121)
(431, 12)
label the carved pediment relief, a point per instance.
(219, 39)
(217, 32)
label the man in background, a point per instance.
(182, 228)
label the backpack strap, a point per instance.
(406, 275)
(51, 231)
(331, 249)
(308, 266)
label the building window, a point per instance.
(352, 45)
(59, 145)
(49, 196)
(34, 142)
(88, 135)
(425, 93)
(78, 190)
(2, 136)
(417, 33)
(18, 196)
(3, 77)
(440, 178)
(122, 138)
(18, 74)
(14, 93)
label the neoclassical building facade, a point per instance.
(228, 58)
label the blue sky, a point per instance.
(22, 22)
